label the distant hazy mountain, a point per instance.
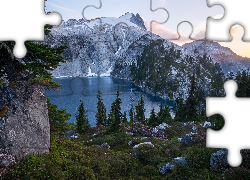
(229, 61)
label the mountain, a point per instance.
(229, 61)
(128, 50)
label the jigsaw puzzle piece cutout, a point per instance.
(237, 44)
(236, 114)
(180, 12)
(92, 12)
(26, 17)
(184, 31)
(219, 29)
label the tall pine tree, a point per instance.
(115, 115)
(181, 110)
(140, 116)
(191, 102)
(153, 120)
(165, 115)
(81, 119)
(101, 111)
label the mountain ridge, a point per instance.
(113, 49)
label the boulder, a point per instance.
(187, 138)
(168, 167)
(218, 160)
(105, 145)
(136, 146)
(25, 128)
(206, 124)
(130, 143)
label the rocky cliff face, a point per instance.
(25, 127)
(93, 48)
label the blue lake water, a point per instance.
(85, 88)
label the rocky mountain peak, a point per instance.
(136, 19)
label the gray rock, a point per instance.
(143, 138)
(105, 145)
(130, 143)
(26, 127)
(187, 138)
(168, 167)
(206, 124)
(4, 163)
(218, 160)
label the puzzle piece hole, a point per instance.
(230, 88)
(217, 122)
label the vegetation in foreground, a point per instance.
(81, 158)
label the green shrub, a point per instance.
(185, 172)
(199, 158)
(149, 155)
(237, 173)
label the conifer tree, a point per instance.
(181, 110)
(57, 119)
(140, 116)
(124, 118)
(81, 119)
(115, 115)
(153, 120)
(160, 113)
(165, 116)
(101, 111)
(191, 102)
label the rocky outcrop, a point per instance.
(25, 128)
(136, 19)
(147, 131)
(218, 160)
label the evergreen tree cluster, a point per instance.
(162, 116)
(243, 81)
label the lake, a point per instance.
(85, 88)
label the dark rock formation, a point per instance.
(136, 19)
(218, 160)
(25, 128)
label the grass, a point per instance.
(75, 159)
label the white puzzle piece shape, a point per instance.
(236, 114)
(31, 17)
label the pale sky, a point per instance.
(176, 11)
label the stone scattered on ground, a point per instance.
(130, 143)
(147, 131)
(168, 167)
(105, 145)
